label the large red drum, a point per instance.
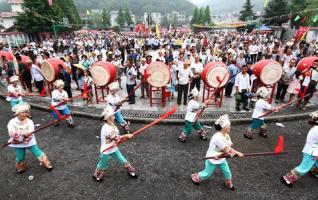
(268, 71)
(103, 73)
(306, 63)
(50, 68)
(215, 74)
(159, 74)
(9, 56)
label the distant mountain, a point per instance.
(138, 7)
(228, 6)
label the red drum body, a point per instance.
(215, 74)
(50, 68)
(306, 63)
(103, 73)
(159, 74)
(268, 71)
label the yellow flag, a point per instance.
(266, 3)
(157, 31)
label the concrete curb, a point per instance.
(279, 118)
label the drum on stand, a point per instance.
(159, 74)
(50, 69)
(268, 71)
(305, 63)
(215, 74)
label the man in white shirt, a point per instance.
(197, 68)
(131, 75)
(253, 51)
(184, 76)
(144, 85)
(242, 85)
(37, 75)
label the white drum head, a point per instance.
(48, 71)
(271, 73)
(159, 75)
(100, 75)
(217, 74)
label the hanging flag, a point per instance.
(157, 30)
(303, 19)
(87, 12)
(296, 18)
(300, 34)
(266, 3)
(315, 19)
(50, 2)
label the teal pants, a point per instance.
(15, 102)
(103, 160)
(257, 123)
(187, 129)
(210, 168)
(20, 152)
(307, 164)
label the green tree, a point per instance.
(207, 15)
(201, 16)
(247, 12)
(120, 18)
(276, 8)
(105, 18)
(127, 16)
(38, 16)
(297, 6)
(312, 16)
(195, 17)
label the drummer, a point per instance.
(115, 102)
(58, 96)
(14, 92)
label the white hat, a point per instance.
(262, 92)
(113, 86)
(80, 66)
(314, 115)
(58, 83)
(107, 113)
(223, 121)
(195, 92)
(19, 108)
(14, 79)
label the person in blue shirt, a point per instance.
(233, 70)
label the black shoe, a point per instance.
(285, 183)
(228, 96)
(246, 109)
(131, 103)
(264, 135)
(276, 101)
(98, 180)
(282, 101)
(132, 174)
(238, 109)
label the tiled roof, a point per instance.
(15, 1)
(8, 14)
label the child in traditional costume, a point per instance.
(220, 144)
(310, 155)
(58, 96)
(14, 92)
(261, 107)
(115, 102)
(191, 117)
(20, 129)
(109, 136)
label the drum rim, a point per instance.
(267, 65)
(108, 71)
(159, 63)
(55, 75)
(221, 64)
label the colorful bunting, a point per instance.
(296, 18)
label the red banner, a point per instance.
(300, 33)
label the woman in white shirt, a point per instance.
(20, 130)
(220, 144)
(191, 118)
(58, 108)
(109, 136)
(310, 155)
(14, 92)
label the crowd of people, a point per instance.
(186, 55)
